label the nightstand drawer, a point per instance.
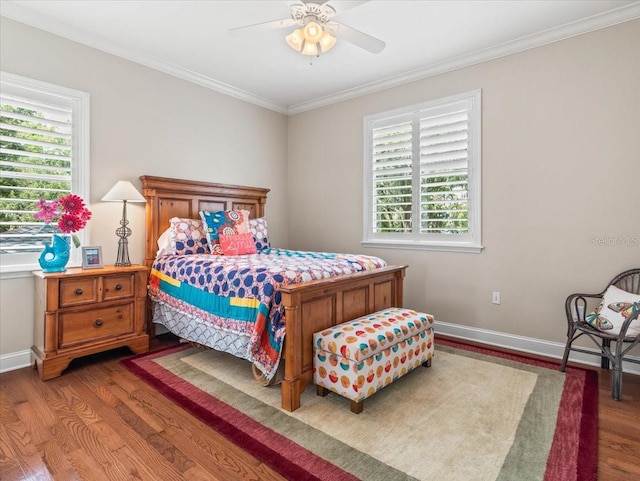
(118, 287)
(78, 291)
(82, 327)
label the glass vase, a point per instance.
(55, 256)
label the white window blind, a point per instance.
(43, 154)
(422, 175)
(444, 174)
(392, 178)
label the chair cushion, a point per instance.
(615, 307)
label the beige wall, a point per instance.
(143, 122)
(560, 160)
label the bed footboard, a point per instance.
(314, 306)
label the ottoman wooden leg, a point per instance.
(357, 408)
(321, 391)
(427, 363)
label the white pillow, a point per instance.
(164, 244)
(615, 307)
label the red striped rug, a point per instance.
(572, 455)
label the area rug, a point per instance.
(475, 414)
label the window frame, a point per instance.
(80, 181)
(470, 242)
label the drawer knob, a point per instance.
(98, 323)
(79, 292)
(118, 287)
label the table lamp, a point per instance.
(124, 192)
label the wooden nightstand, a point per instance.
(84, 311)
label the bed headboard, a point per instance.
(167, 198)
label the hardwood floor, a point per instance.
(619, 430)
(99, 422)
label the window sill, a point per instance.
(466, 248)
(17, 271)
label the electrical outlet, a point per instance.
(495, 297)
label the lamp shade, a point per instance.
(123, 190)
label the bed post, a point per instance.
(313, 306)
(151, 225)
(292, 384)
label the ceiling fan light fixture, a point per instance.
(309, 38)
(315, 28)
(327, 41)
(310, 48)
(295, 39)
(312, 32)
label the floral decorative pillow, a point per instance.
(615, 307)
(188, 237)
(237, 245)
(258, 228)
(227, 222)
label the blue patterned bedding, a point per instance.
(233, 303)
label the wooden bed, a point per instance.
(309, 307)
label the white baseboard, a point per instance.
(529, 345)
(18, 360)
(15, 360)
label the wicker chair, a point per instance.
(576, 310)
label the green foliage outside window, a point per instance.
(447, 213)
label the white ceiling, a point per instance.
(191, 40)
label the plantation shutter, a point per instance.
(444, 173)
(440, 205)
(35, 162)
(393, 178)
(423, 176)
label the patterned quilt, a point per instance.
(239, 298)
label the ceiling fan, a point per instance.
(316, 28)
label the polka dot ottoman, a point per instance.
(357, 358)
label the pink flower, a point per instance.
(47, 210)
(69, 211)
(85, 215)
(72, 204)
(69, 223)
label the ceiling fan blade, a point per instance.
(356, 37)
(271, 25)
(341, 7)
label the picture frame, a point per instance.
(91, 257)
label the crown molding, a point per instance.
(12, 10)
(595, 22)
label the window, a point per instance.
(44, 152)
(422, 176)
